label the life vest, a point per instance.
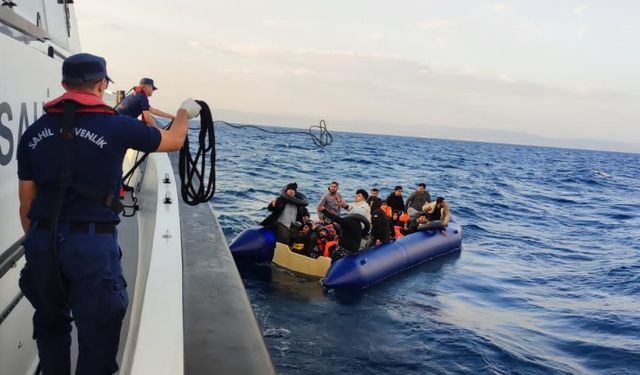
(321, 244)
(329, 246)
(387, 210)
(297, 246)
(398, 231)
(69, 104)
(404, 217)
(87, 102)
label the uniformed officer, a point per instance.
(69, 169)
(137, 103)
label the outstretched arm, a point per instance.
(149, 119)
(331, 215)
(173, 138)
(160, 113)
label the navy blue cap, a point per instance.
(84, 67)
(148, 81)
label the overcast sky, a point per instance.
(561, 69)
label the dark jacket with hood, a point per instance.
(276, 211)
(380, 226)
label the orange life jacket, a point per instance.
(398, 231)
(328, 246)
(87, 101)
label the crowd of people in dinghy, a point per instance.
(370, 220)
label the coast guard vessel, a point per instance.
(189, 312)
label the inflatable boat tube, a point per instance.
(254, 245)
(365, 268)
(434, 225)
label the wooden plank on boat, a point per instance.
(284, 257)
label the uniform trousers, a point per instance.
(84, 286)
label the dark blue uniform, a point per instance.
(134, 105)
(94, 293)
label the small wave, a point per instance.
(599, 173)
(276, 332)
(623, 216)
(473, 227)
(357, 161)
(562, 200)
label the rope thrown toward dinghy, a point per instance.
(323, 137)
(196, 186)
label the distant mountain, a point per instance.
(416, 130)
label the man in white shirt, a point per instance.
(360, 205)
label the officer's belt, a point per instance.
(87, 191)
(79, 227)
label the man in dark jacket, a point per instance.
(380, 233)
(286, 213)
(374, 201)
(395, 201)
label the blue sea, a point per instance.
(548, 281)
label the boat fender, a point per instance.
(298, 200)
(364, 221)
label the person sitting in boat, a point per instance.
(286, 213)
(374, 201)
(301, 242)
(332, 232)
(394, 200)
(324, 246)
(306, 218)
(437, 211)
(331, 200)
(380, 224)
(137, 103)
(386, 209)
(360, 205)
(417, 199)
(417, 225)
(354, 228)
(438, 214)
(397, 225)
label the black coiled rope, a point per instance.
(322, 139)
(196, 187)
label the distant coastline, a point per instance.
(436, 132)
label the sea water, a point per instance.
(548, 280)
